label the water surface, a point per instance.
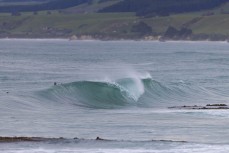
(117, 90)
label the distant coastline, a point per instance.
(110, 39)
(171, 34)
(110, 20)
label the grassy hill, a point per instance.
(84, 21)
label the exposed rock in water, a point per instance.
(26, 139)
(208, 106)
(216, 105)
(41, 139)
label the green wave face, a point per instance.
(124, 92)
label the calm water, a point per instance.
(119, 91)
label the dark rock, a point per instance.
(27, 139)
(98, 138)
(208, 106)
(101, 139)
(216, 105)
(18, 139)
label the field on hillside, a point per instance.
(215, 24)
(55, 24)
(118, 25)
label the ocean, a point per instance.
(113, 96)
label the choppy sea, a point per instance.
(119, 91)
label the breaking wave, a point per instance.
(144, 92)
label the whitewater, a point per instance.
(113, 96)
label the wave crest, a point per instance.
(97, 94)
(144, 92)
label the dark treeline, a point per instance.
(13, 1)
(162, 7)
(51, 5)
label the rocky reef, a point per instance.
(26, 139)
(208, 106)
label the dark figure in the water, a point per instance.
(55, 83)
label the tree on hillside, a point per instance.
(16, 13)
(48, 12)
(35, 13)
(141, 28)
(172, 32)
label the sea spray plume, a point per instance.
(133, 87)
(134, 84)
(124, 76)
(115, 70)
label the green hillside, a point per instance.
(64, 25)
(84, 22)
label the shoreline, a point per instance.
(103, 40)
